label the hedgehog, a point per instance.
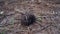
(27, 19)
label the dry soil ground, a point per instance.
(47, 13)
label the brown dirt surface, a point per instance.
(47, 13)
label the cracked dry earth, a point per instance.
(46, 12)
